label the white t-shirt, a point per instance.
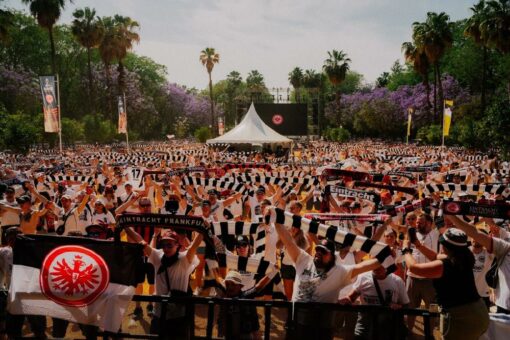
(133, 208)
(502, 292)
(392, 287)
(349, 260)
(103, 218)
(76, 221)
(483, 261)
(178, 277)
(313, 286)
(431, 241)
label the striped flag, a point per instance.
(77, 279)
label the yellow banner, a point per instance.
(447, 116)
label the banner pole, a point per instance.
(59, 116)
(125, 109)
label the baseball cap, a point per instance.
(66, 197)
(327, 245)
(23, 199)
(97, 231)
(213, 192)
(169, 235)
(100, 201)
(206, 202)
(242, 240)
(128, 183)
(234, 277)
(261, 190)
(12, 232)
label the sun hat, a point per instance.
(234, 277)
(454, 237)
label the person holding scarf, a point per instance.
(173, 269)
(464, 315)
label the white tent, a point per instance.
(251, 130)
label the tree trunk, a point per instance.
(434, 115)
(440, 92)
(213, 120)
(52, 48)
(121, 81)
(108, 90)
(339, 110)
(427, 89)
(92, 105)
(484, 71)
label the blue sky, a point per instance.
(272, 36)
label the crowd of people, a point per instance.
(385, 194)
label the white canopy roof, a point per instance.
(251, 130)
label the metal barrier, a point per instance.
(211, 302)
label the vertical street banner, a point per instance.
(77, 279)
(221, 126)
(50, 103)
(409, 120)
(122, 128)
(447, 116)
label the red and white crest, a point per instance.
(73, 276)
(452, 207)
(277, 119)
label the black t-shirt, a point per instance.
(456, 287)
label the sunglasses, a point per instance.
(144, 205)
(168, 245)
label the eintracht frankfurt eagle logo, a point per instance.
(452, 207)
(73, 276)
(277, 119)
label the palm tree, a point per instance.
(47, 12)
(473, 30)
(311, 79)
(495, 29)
(125, 37)
(336, 67)
(208, 58)
(234, 81)
(420, 64)
(255, 81)
(434, 37)
(6, 22)
(89, 33)
(107, 52)
(296, 80)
